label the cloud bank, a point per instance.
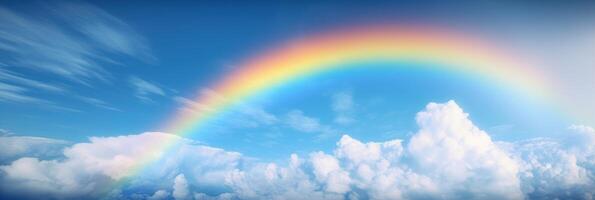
(447, 158)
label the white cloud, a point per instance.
(553, 169)
(327, 170)
(144, 89)
(448, 158)
(13, 147)
(180, 188)
(460, 155)
(159, 195)
(582, 137)
(343, 105)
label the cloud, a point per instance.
(447, 158)
(180, 188)
(106, 30)
(343, 105)
(327, 170)
(17, 94)
(159, 195)
(297, 120)
(64, 42)
(246, 114)
(464, 156)
(61, 42)
(13, 93)
(554, 169)
(13, 147)
(98, 103)
(144, 89)
(259, 114)
(16, 78)
(4, 132)
(582, 137)
(85, 168)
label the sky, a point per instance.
(88, 89)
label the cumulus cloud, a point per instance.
(180, 188)
(159, 195)
(13, 147)
(554, 169)
(447, 158)
(464, 156)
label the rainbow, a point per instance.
(310, 56)
(337, 50)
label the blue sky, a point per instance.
(70, 71)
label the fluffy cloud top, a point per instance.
(460, 156)
(447, 158)
(180, 188)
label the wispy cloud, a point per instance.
(17, 94)
(144, 89)
(343, 105)
(62, 42)
(297, 120)
(98, 103)
(6, 75)
(13, 93)
(259, 114)
(72, 42)
(245, 114)
(4, 132)
(111, 33)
